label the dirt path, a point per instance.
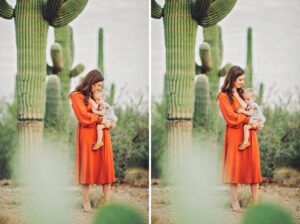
(12, 212)
(289, 198)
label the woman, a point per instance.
(91, 166)
(239, 167)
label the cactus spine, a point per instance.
(249, 71)
(180, 32)
(32, 19)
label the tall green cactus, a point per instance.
(100, 51)
(180, 33)
(64, 36)
(249, 69)
(53, 101)
(260, 94)
(202, 101)
(32, 20)
(213, 36)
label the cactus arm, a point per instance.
(156, 10)
(216, 12)
(223, 71)
(68, 12)
(51, 9)
(6, 11)
(78, 69)
(49, 69)
(199, 8)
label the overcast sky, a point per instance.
(276, 43)
(126, 36)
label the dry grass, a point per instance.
(287, 177)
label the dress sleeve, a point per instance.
(232, 118)
(84, 117)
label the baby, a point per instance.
(98, 106)
(255, 114)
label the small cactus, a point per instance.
(249, 70)
(205, 56)
(111, 96)
(57, 58)
(224, 70)
(118, 213)
(260, 96)
(100, 51)
(53, 101)
(202, 101)
(267, 214)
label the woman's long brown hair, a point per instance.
(232, 75)
(85, 87)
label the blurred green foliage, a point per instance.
(158, 137)
(8, 136)
(279, 140)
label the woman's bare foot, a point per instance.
(87, 207)
(235, 206)
(98, 145)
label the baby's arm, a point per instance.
(246, 112)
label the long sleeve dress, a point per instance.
(240, 167)
(91, 166)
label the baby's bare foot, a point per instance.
(98, 145)
(244, 145)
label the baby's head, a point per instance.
(249, 95)
(99, 97)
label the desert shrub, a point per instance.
(130, 139)
(279, 141)
(8, 136)
(158, 137)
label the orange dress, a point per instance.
(91, 166)
(240, 167)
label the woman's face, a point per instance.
(239, 82)
(97, 86)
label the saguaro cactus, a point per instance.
(181, 18)
(53, 101)
(100, 50)
(64, 36)
(249, 70)
(202, 101)
(32, 20)
(213, 36)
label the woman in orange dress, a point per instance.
(239, 167)
(91, 166)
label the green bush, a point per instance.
(130, 139)
(158, 137)
(8, 136)
(279, 141)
